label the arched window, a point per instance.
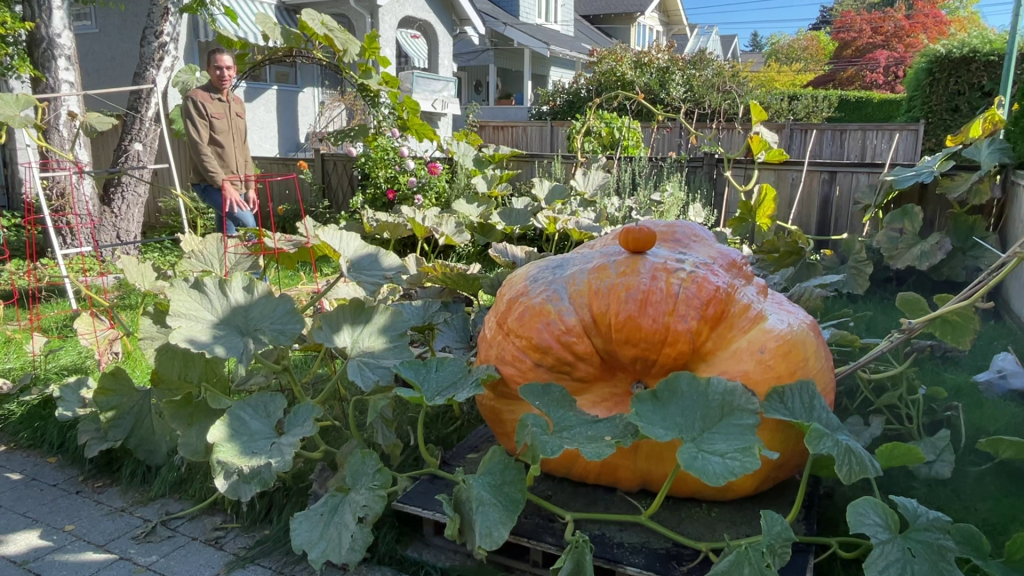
(413, 46)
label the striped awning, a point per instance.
(246, 27)
(415, 45)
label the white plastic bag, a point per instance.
(1004, 373)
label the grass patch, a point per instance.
(989, 499)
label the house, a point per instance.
(706, 37)
(753, 61)
(528, 44)
(638, 23)
(289, 98)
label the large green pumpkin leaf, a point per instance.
(91, 436)
(762, 558)
(716, 419)
(213, 253)
(926, 170)
(577, 559)
(438, 381)
(191, 418)
(129, 415)
(972, 544)
(969, 257)
(369, 266)
(570, 428)
(939, 456)
(185, 370)
(901, 243)
(373, 337)
(488, 503)
(924, 549)
(755, 217)
(449, 230)
(958, 327)
(153, 330)
(590, 182)
(896, 454)
(248, 451)
(338, 528)
(141, 274)
(460, 277)
(1002, 447)
(231, 317)
(802, 404)
(74, 398)
(189, 77)
(974, 188)
(548, 192)
(853, 263)
(512, 256)
(95, 123)
(13, 108)
(475, 209)
(865, 434)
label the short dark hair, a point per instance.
(218, 51)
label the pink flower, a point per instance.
(350, 151)
(410, 165)
(391, 194)
(403, 152)
(418, 199)
(434, 168)
(412, 182)
(395, 133)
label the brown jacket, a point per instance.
(217, 137)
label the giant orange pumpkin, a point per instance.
(600, 319)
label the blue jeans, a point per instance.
(214, 198)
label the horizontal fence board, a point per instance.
(839, 142)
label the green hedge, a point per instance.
(835, 106)
(953, 81)
(856, 107)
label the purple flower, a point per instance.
(391, 194)
(350, 151)
(412, 182)
(403, 152)
(434, 168)
(410, 165)
(395, 133)
(418, 199)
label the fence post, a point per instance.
(318, 170)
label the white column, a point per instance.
(579, 66)
(527, 78)
(492, 83)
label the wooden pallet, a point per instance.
(537, 541)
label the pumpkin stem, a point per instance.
(637, 387)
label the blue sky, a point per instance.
(767, 16)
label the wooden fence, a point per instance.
(826, 205)
(834, 142)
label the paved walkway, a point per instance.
(53, 524)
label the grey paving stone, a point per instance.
(23, 539)
(251, 570)
(66, 510)
(106, 494)
(161, 543)
(49, 473)
(30, 496)
(290, 565)
(241, 542)
(193, 559)
(16, 460)
(75, 559)
(10, 479)
(103, 529)
(205, 528)
(124, 568)
(73, 486)
(157, 509)
(9, 569)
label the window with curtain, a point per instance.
(412, 50)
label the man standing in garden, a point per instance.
(220, 166)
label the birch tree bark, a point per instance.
(54, 53)
(124, 197)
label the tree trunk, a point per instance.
(124, 197)
(54, 53)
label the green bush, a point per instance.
(798, 105)
(863, 107)
(1015, 126)
(608, 134)
(952, 81)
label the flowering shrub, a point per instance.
(390, 174)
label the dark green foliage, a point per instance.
(953, 81)
(1015, 126)
(857, 107)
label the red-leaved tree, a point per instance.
(876, 47)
